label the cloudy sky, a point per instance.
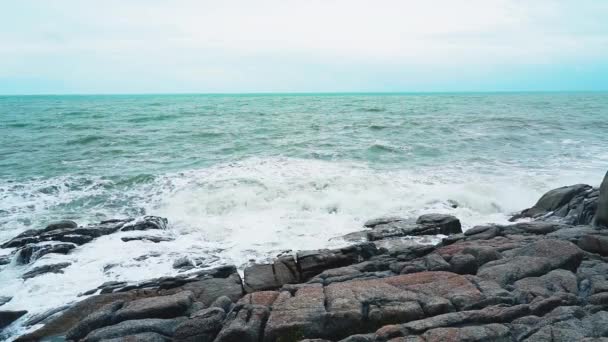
(152, 46)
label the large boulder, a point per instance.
(601, 215)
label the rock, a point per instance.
(68, 231)
(507, 271)
(429, 224)
(383, 220)
(147, 222)
(594, 243)
(4, 300)
(447, 224)
(463, 264)
(8, 317)
(183, 262)
(73, 315)
(33, 252)
(156, 307)
(204, 325)
(54, 268)
(155, 239)
(165, 327)
(63, 224)
(261, 277)
(561, 254)
(601, 215)
(44, 316)
(553, 200)
(96, 320)
(143, 337)
(314, 262)
(489, 332)
(246, 322)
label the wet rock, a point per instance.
(63, 224)
(314, 262)
(69, 232)
(429, 224)
(447, 224)
(155, 239)
(96, 320)
(147, 222)
(601, 215)
(34, 252)
(183, 262)
(8, 317)
(553, 200)
(54, 268)
(76, 313)
(164, 327)
(4, 300)
(156, 307)
(45, 316)
(203, 325)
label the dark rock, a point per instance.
(183, 262)
(203, 325)
(155, 239)
(54, 268)
(463, 264)
(8, 317)
(553, 200)
(447, 224)
(601, 215)
(429, 224)
(148, 222)
(165, 327)
(156, 307)
(63, 224)
(34, 252)
(4, 300)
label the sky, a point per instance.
(153, 46)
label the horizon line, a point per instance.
(314, 93)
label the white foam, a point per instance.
(257, 208)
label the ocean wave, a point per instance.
(85, 140)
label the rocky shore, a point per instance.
(542, 278)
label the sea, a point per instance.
(244, 177)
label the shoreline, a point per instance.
(542, 276)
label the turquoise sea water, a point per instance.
(244, 177)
